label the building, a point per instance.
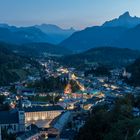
(25, 91)
(61, 121)
(58, 124)
(13, 121)
(33, 133)
(42, 115)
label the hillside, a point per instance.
(134, 69)
(22, 35)
(44, 49)
(37, 49)
(93, 37)
(130, 38)
(12, 66)
(106, 55)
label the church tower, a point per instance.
(21, 115)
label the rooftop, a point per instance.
(9, 117)
(43, 108)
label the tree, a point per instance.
(116, 123)
(2, 99)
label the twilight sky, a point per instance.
(65, 13)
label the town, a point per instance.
(31, 113)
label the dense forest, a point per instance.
(36, 49)
(12, 65)
(49, 85)
(115, 123)
(110, 56)
(134, 69)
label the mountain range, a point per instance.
(115, 43)
(56, 33)
(39, 33)
(121, 32)
(124, 20)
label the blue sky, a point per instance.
(65, 13)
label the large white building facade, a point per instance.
(42, 116)
(15, 120)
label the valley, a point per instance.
(70, 84)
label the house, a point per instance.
(33, 133)
(26, 103)
(61, 121)
(136, 112)
(58, 125)
(13, 121)
(28, 92)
